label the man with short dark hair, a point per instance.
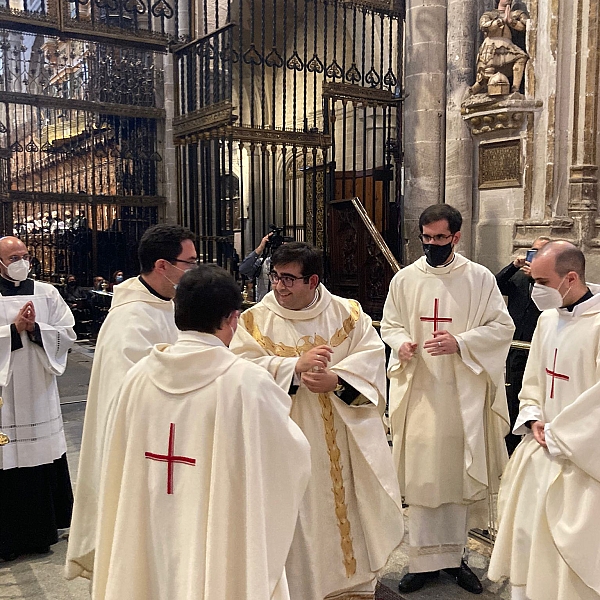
(549, 500)
(323, 350)
(204, 468)
(449, 331)
(141, 315)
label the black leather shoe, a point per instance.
(9, 556)
(412, 582)
(466, 578)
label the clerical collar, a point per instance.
(583, 298)
(9, 282)
(8, 287)
(314, 300)
(152, 290)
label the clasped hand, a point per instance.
(441, 343)
(312, 368)
(26, 318)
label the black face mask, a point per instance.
(437, 255)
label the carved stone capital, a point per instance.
(484, 114)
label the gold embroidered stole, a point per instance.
(304, 344)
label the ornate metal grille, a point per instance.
(302, 105)
(80, 123)
(150, 22)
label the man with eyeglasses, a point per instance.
(141, 316)
(323, 351)
(36, 332)
(449, 331)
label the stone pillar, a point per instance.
(583, 175)
(425, 113)
(462, 26)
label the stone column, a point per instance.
(425, 113)
(462, 26)
(583, 175)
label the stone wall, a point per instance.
(555, 126)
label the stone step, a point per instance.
(443, 588)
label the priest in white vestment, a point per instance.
(323, 351)
(204, 469)
(449, 331)
(36, 332)
(548, 542)
(141, 315)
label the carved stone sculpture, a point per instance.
(500, 62)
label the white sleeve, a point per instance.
(527, 413)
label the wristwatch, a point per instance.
(339, 389)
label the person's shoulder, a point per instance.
(478, 269)
(348, 303)
(42, 288)
(408, 271)
(253, 378)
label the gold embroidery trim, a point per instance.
(304, 344)
(339, 493)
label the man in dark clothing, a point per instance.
(515, 283)
(79, 302)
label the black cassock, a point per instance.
(34, 501)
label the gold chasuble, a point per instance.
(350, 519)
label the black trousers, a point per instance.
(515, 367)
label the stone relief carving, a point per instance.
(500, 62)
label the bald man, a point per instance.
(36, 332)
(515, 282)
(549, 501)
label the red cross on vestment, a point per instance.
(170, 458)
(555, 375)
(436, 319)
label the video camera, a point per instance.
(275, 240)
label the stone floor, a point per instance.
(40, 577)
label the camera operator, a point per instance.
(257, 265)
(515, 283)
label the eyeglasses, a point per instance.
(193, 262)
(287, 280)
(427, 239)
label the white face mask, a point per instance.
(18, 270)
(546, 297)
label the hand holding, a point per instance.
(407, 351)
(537, 428)
(320, 382)
(519, 262)
(315, 359)
(263, 243)
(441, 343)
(526, 268)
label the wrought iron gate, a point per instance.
(81, 113)
(283, 107)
